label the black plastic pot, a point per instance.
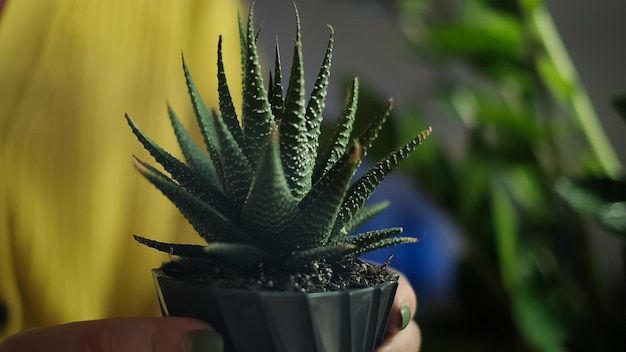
(266, 321)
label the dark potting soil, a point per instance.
(318, 276)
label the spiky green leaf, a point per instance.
(227, 108)
(235, 165)
(366, 238)
(314, 110)
(241, 254)
(339, 141)
(276, 87)
(206, 220)
(387, 242)
(293, 125)
(270, 206)
(363, 215)
(361, 190)
(182, 173)
(243, 48)
(257, 119)
(194, 156)
(181, 250)
(310, 255)
(318, 210)
(204, 119)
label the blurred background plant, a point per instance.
(528, 279)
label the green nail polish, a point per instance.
(204, 341)
(405, 313)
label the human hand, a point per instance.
(184, 334)
(403, 334)
(118, 335)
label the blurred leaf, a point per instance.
(463, 103)
(478, 107)
(506, 236)
(530, 5)
(602, 198)
(613, 217)
(526, 186)
(481, 33)
(588, 194)
(536, 314)
(562, 88)
(475, 185)
(413, 9)
(499, 131)
(537, 318)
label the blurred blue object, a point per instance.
(430, 264)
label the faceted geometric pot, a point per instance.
(267, 321)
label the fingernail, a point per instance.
(204, 341)
(405, 313)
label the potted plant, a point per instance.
(279, 270)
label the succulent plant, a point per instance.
(267, 193)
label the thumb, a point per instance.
(119, 335)
(403, 307)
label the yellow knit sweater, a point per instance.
(69, 197)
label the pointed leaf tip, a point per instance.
(274, 136)
(138, 238)
(141, 166)
(425, 133)
(146, 169)
(356, 152)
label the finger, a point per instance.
(407, 340)
(119, 335)
(403, 307)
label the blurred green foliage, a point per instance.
(529, 281)
(602, 198)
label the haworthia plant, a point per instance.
(264, 190)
